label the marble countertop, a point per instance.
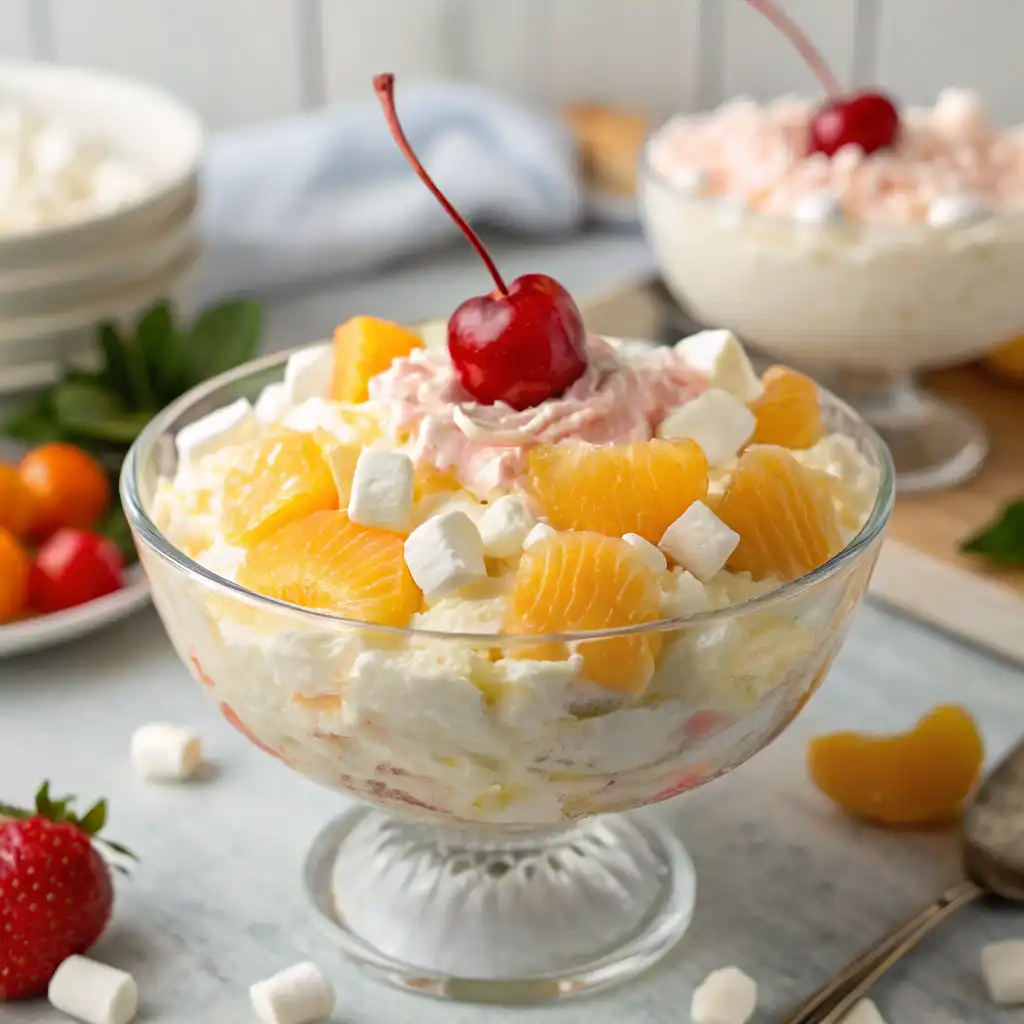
(788, 889)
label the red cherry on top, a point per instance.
(521, 344)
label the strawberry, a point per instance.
(56, 894)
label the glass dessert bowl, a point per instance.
(493, 861)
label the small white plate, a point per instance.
(47, 630)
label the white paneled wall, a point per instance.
(240, 60)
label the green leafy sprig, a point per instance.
(1002, 540)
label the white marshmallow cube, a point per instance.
(505, 525)
(720, 357)
(307, 374)
(720, 424)
(960, 111)
(382, 489)
(272, 405)
(445, 554)
(165, 752)
(864, 1012)
(725, 996)
(93, 992)
(683, 595)
(818, 207)
(233, 424)
(958, 210)
(1002, 967)
(689, 179)
(699, 541)
(652, 557)
(540, 533)
(298, 995)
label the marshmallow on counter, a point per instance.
(699, 541)
(957, 211)
(538, 535)
(298, 995)
(234, 424)
(725, 996)
(272, 405)
(505, 526)
(720, 424)
(718, 355)
(307, 374)
(165, 752)
(652, 557)
(1002, 967)
(382, 487)
(818, 207)
(445, 554)
(863, 1012)
(93, 992)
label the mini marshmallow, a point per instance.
(382, 488)
(445, 554)
(959, 210)
(165, 752)
(719, 356)
(307, 374)
(818, 207)
(1002, 967)
(864, 1012)
(719, 423)
(233, 424)
(297, 995)
(725, 996)
(272, 405)
(93, 992)
(689, 179)
(652, 556)
(538, 535)
(699, 541)
(505, 526)
(684, 595)
(960, 111)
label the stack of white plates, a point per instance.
(59, 280)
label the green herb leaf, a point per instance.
(223, 337)
(1002, 541)
(114, 526)
(94, 819)
(163, 352)
(36, 422)
(93, 411)
(115, 363)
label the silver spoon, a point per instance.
(992, 851)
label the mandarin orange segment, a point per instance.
(281, 478)
(584, 581)
(788, 412)
(16, 502)
(15, 566)
(429, 480)
(363, 347)
(326, 561)
(783, 514)
(615, 489)
(918, 777)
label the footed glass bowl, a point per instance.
(492, 860)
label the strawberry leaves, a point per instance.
(1002, 540)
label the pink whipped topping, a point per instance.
(619, 398)
(757, 155)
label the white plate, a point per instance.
(47, 630)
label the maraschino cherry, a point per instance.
(865, 119)
(521, 344)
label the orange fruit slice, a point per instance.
(283, 477)
(788, 412)
(326, 561)
(783, 514)
(363, 347)
(583, 581)
(15, 566)
(620, 488)
(918, 777)
(17, 507)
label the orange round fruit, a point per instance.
(16, 504)
(69, 488)
(15, 566)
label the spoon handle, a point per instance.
(836, 997)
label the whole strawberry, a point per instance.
(56, 894)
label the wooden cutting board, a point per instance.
(920, 570)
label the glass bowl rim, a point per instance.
(913, 232)
(148, 533)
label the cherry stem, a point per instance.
(384, 86)
(796, 35)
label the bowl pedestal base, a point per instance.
(501, 915)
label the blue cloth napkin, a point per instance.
(327, 193)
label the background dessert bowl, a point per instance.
(471, 731)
